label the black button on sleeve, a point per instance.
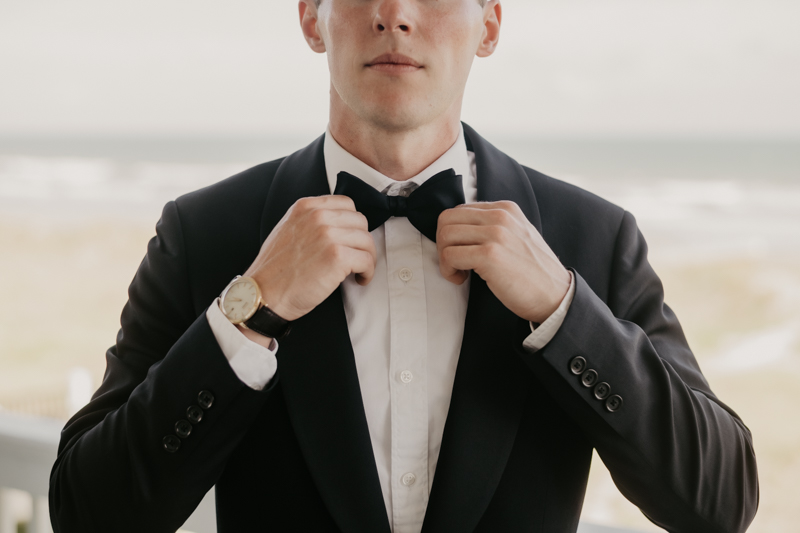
(183, 428)
(171, 443)
(589, 378)
(205, 399)
(194, 414)
(577, 365)
(614, 403)
(602, 390)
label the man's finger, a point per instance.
(467, 257)
(477, 216)
(455, 262)
(327, 201)
(506, 205)
(362, 263)
(465, 234)
(351, 237)
(453, 275)
(337, 217)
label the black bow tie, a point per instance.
(422, 207)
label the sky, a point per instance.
(564, 68)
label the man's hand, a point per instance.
(496, 241)
(315, 246)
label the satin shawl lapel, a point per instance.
(317, 373)
(490, 383)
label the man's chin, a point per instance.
(396, 121)
(402, 115)
(395, 109)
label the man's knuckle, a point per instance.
(446, 254)
(304, 204)
(492, 252)
(502, 217)
(333, 253)
(497, 233)
(323, 232)
(318, 217)
(445, 234)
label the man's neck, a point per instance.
(400, 155)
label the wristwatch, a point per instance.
(241, 303)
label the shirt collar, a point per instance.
(337, 159)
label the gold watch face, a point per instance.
(241, 300)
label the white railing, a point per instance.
(27, 452)
(28, 447)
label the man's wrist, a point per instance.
(272, 297)
(542, 334)
(243, 304)
(258, 338)
(559, 292)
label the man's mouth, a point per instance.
(394, 63)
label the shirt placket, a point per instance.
(408, 375)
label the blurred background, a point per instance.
(683, 112)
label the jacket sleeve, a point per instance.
(122, 465)
(673, 449)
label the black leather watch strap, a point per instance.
(269, 324)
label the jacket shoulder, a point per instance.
(563, 202)
(219, 226)
(580, 227)
(243, 193)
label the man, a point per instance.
(443, 372)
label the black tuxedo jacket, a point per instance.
(297, 456)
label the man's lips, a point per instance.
(394, 63)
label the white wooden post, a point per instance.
(7, 522)
(40, 518)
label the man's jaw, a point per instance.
(394, 63)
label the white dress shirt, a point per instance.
(406, 329)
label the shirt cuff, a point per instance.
(253, 364)
(540, 336)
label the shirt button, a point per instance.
(409, 479)
(406, 376)
(405, 274)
